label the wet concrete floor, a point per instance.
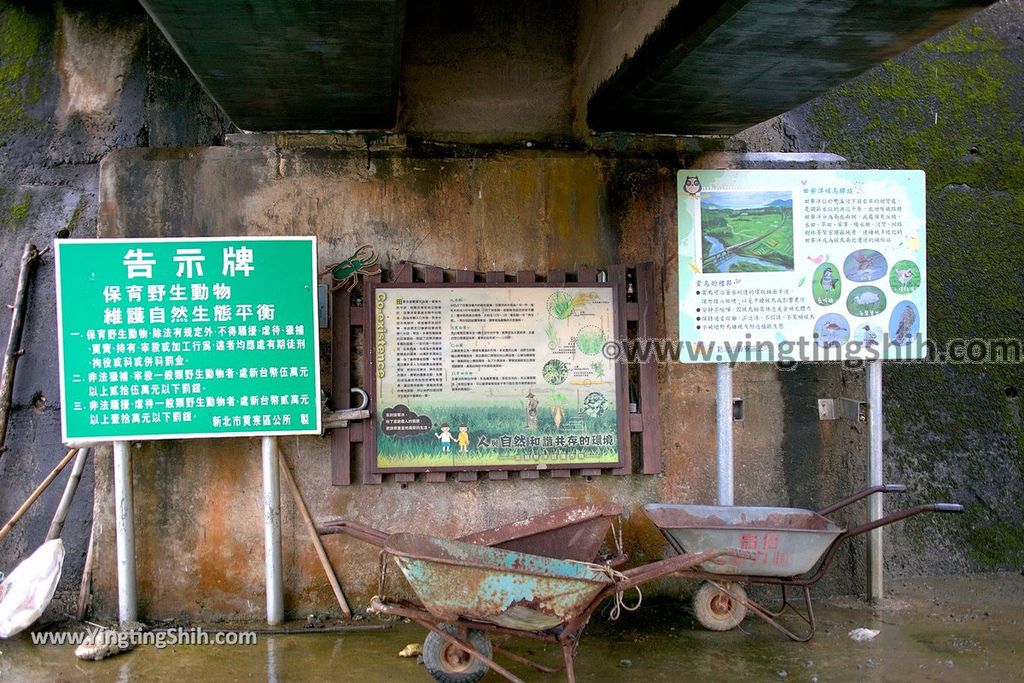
(931, 629)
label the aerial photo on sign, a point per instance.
(176, 338)
(801, 265)
(747, 231)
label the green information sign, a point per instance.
(184, 338)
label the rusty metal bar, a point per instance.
(672, 565)
(849, 500)
(772, 618)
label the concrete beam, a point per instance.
(330, 65)
(718, 68)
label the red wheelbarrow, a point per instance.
(571, 533)
(791, 548)
(467, 592)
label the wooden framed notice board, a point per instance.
(470, 373)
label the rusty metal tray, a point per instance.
(576, 532)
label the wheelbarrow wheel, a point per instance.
(718, 610)
(449, 663)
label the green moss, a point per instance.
(76, 215)
(19, 210)
(964, 41)
(929, 110)
(20, 80)
(997, 544)
(950, 109)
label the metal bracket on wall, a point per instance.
(842, 409)
(322, 307)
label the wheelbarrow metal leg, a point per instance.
(527, 662)
(771, 619)
(568, 652)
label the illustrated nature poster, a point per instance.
(508, 376)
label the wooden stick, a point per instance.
(332, 578)
(85, 588)
(28, 259)
(38, 492)
(57, 525)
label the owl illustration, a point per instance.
(692, 185)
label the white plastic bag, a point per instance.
(27, 590)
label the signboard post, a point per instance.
(802, 265)
(188, 338)
(876, 426)
(723, 432)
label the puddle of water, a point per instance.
(949, 628)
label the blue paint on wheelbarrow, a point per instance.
(457, 580)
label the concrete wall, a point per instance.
(488, 71)
(611, 31)
(75, 83)
(197, 503)
(500, 72)
(951, 106)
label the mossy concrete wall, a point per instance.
(953, 107)
(76, 81)
(197, 504)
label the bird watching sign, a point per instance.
(186, 338)
(792, 265)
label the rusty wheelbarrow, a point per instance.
(467, 592)
(792, 548)
(571, 533)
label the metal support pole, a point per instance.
(875, 424)
(272, 531)
(723, 441)
(127, 605)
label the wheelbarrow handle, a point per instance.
(860, 495)
(355, 529)
(673, 565)
(902, 514)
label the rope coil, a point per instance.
(618, 601)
